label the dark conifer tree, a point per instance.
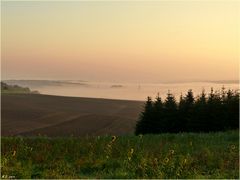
(199, 117)
(214, 112)
(143, 126)
(158, 104)
(209, 111)
(188, 109)
(217, 112)
(170, 114)
(181, 100)
(181, 114)
(189, 98)
(158, 119)
(185, 110)
(232, 108)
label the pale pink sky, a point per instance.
(121, 41)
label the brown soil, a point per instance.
(34, 114)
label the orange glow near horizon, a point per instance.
(120, 41)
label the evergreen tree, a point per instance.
(158, 104)
(189, 98)
(185, 111)
(188, 109)
(143, 126)
(158, 121)
(181, 114)
(170, 114)
(214, 111)
(231, 104)
(217, 112)
(199, 117)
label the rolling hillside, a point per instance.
(34, 114)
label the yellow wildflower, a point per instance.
(233, 147)
(14, 153)
(185, 161)
(131, 151)
(166, 160)
(172, 151)
(155, 161)
(114, 138)
(109, 145)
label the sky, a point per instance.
(128, 41)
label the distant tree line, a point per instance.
(6, 88)
(217, 111)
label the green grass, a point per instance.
(187, 155)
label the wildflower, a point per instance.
(166, 160)
(131, 151)
(14, 153)
(109, 145)
(171, 151)
(233, 147)
(155, 161)
(114, 138)
(185, 161)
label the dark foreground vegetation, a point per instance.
(183, 155)
(217, 111)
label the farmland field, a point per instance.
(186, 155)
(33, 114)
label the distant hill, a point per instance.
(6, 88)
(225, 82)
(40, 83)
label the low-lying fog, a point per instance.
(129, 91)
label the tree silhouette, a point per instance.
(170, 113)
(199, 120)
(216, 112)
(158, 114)
(231, 104)
(187, 110)
(144, 124)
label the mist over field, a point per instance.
(127, 91)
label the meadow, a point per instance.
(182, 155)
